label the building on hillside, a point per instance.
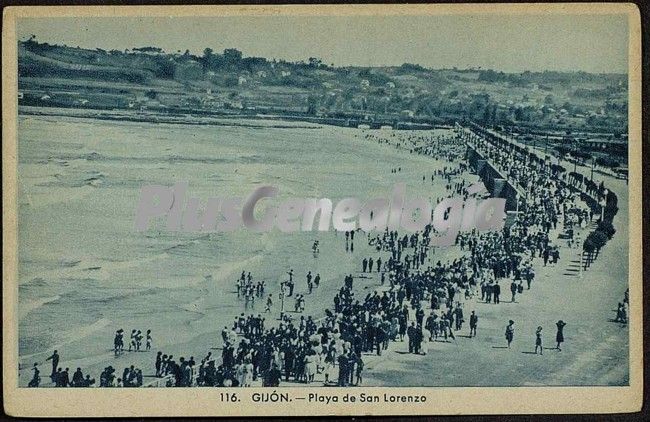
(149, 51)
(150, 104)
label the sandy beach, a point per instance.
(85, 271)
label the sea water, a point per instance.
(85, 271)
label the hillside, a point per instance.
(227, 82)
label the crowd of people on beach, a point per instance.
(296, 350)
(61, 377)
(131, 377)
(135, 341)
(419, 299)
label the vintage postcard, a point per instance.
(322, 210)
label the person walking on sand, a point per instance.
(559, 337)
(149, 339)
(159, 359)
(290, 282)
(489, 288)
(65, 378)
(343, 369)
(473, 322)
(269, 303)
(55, 363)
(77, 378)
(410, 332)
(118, 341)
(459, 317)
(538, 341)
(132, 340)
(138, 340)
(510, 332)
(310, 285)
(36, 379)
(359, 369)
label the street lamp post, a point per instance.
(517, 203)
(546, 144)
(575, 157)
(603, 202)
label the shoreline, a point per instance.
(211, 119)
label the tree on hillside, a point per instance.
(410, 67)
(231, 56)
(315, 62)
(210, 60)
(312, 104)
(252, 64)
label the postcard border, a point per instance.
(183, 401)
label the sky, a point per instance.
(591, 43)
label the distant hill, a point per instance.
(148, 77)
